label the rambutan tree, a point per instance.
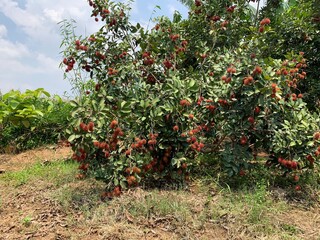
(158, 98)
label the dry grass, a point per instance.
(44, 201)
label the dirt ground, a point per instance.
(29, 212)
(11, 162)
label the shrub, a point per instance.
(30, 119)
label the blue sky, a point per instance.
(30, 39)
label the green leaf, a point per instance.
(26, 123)
(72, 137)
(292, 144)
(13, 104)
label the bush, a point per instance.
(30, 119)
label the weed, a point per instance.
(26, 221)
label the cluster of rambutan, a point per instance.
(87, 127)
(275, 89)
(105, 13)
(264, 22)
(147, 59)
(226, 79)
(248, 80)
(162, 160)
(192, 139)
(123, 54)
(84, 167)
(208, 104)
(80, 155)
(290, 164)
(152, 140)
(167, 64)
(214, 18)
(151, 78)
(69, 62)
(231, 8)
(133, 170)
(179, 49)
(294, 74)
(112, 72)
(231, 70)
(198, 3)
(131, 178)
(80, 46)
(200, 100)
(138, 145)
(112, 143)
(224, 24)
(149, 166)
(115, 193)
(166, 158)
(174, 37)
(99, 56)
(294, 97)
(257, 70)
(197, 146)
(223, 102)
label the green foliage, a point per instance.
(22, 108)
(155, 99)
(29, 119)
(296, 27)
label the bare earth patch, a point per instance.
(10, 162)
(46, 210)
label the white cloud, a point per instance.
(46, 64)
(3, 31)
(54, 15)
(32, 61)
(10, 50)
(21, 17)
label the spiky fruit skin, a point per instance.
(136, 170)
(265, 21)
(131, 180)
(117, 191)
(316, 136)
(91, 126)
(113, 124)
(184, 166)
(242, 172)
(243, 140)
(251, 120)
